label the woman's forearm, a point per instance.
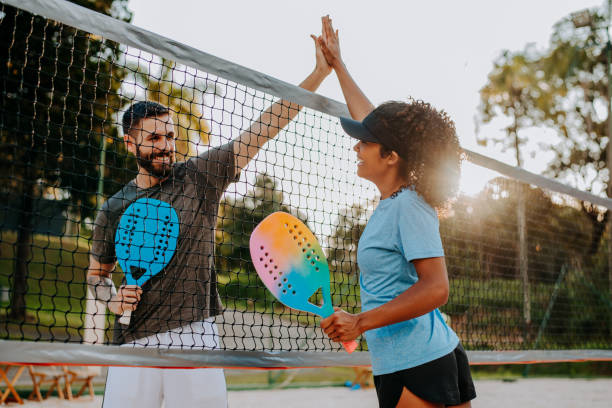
(420, 299)
(427, 294)
(358, 103)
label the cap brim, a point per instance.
(356, 129)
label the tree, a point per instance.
(237, 219)
(183, 92)
(342, 256)
(480, 237)
(510, 91)
(59, 97)
(563, 88)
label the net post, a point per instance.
(524, 263)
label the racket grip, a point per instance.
(125, 318)
(350, 346)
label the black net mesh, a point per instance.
(528, 268)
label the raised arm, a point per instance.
(277, 116)
(359, 105)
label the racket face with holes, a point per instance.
(291, 263)
(146, 239)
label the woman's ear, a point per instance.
(393, 158)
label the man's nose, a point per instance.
(165, 143)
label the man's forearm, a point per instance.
(271, 121)
(101, 287)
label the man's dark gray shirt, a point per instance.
(186, 290)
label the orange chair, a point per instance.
(76, 374)
(46, 374)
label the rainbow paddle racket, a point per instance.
(292, 265)
(145, 241)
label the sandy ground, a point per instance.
(529, 393)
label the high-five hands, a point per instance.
(330, 43)
(322, 66)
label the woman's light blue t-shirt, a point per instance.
(400, 230)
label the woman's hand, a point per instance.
(358, 104)
(341, 326)
(127, 298)
(330, 43)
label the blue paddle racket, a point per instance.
(145, 241)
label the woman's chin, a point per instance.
(361, 173)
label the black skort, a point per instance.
(446, 380)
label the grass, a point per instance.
(487, 314)
(288, 378)
(56, 287)
(585, 370)
(55, 284)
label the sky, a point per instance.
(438, 51)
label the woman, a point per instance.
(411, 152)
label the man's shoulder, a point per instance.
(214, 153)
(212, 162)
(120, 199)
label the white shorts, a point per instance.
(148, 387)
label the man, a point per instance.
(176, 307)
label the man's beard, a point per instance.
(160, 171)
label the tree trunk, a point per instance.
(23, 245)
(610, 270)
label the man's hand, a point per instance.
(341, 326)
(322, 66)
(127, 298)
(330, 43)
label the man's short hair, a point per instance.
(141, 110)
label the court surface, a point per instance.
(532, 393)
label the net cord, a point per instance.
(84, 354)
(125, 33)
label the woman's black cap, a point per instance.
(373, 128)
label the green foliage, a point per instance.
(510, 92)
(60, 90)
(237, 220)
(342, 254)
(565, 88)
(184, 98)
(481, 238)
(56, 288)
(486, 296)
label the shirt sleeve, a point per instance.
(103, 240)
(217, 167)
(419, 230)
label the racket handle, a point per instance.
(125, 318)
(350, 346)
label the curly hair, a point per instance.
(430, 155)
